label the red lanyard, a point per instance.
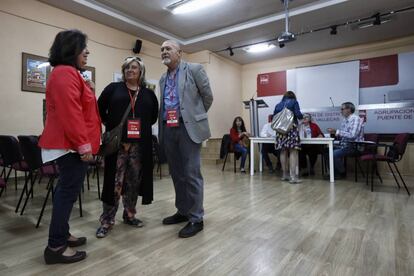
(133, 100)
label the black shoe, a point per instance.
(191, 229)
(174, 219)
(134, 222)
(56, 257)
(78, 242)
(312, 172)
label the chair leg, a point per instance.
(367, 175)
(225, 160)
(50, 189)
(8, 175)
(1, 191)
(393, 174)
(402, 180)
(97, 181)
(374, 164)
(379, 176)
(21, 195)
(87, 179)
(234, 155)
(15, 179)
(80, 205)
(32, 181)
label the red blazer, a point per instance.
(72, 120)
(316, 131)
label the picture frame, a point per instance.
(89, 74)
(117, 77)
(35, 72)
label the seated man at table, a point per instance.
(351, 130)
(267, 131)
(309, 129)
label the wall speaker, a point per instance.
(137, 47)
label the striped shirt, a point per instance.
(352, 129)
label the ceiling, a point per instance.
(240, 22)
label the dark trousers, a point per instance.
(72, 171)
(266, 150)
(184, 162)
(312, 152)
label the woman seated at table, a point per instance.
(240, 141)
(309, 129)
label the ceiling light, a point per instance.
(187, 6)
(231, 53)
(257, 48)
(368, 24)
(334, 30)
(281, 45)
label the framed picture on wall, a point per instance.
(117, 77)
(89, 74)
(35, 71)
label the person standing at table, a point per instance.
(268, 132)
(186, 97)
(71, 136)
(351, 130)
(128, 172)
(309, 129)
(289, 143)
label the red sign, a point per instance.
(380, 71)
(271, 84)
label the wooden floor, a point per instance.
(253, 226)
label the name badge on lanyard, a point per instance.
(173, 118)
(133, 124)
(134, 128)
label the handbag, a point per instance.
(111, 140)
(282, 122)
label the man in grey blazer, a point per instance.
(183, 125)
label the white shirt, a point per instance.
(267, 131)
(53, 154)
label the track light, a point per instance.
(377, 20)
(281, 45)
(230, 51)
(334, 30)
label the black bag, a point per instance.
(111, 140)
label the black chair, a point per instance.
(12, 157)
(226, 148)
(33, 156)
(392, 155)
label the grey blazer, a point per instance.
(195, 100)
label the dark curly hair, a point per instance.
(66, 48)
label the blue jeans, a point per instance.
(72, 171)
(339, 154)
(243, 150)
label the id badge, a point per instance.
(134, 129)
(172, 118)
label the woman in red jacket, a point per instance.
(71, 136)
(309, 129)
(237, 134)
